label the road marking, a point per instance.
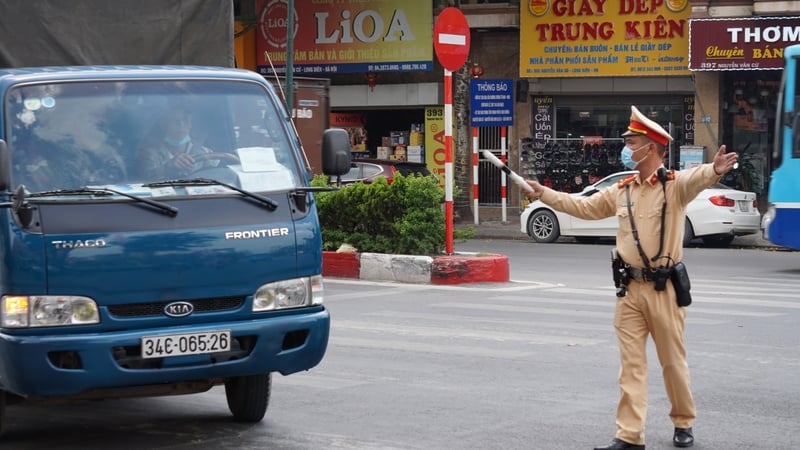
(426, 347)
(459, 333)
(693, 308)
(554, 311)
(508, 323)
(507, 286)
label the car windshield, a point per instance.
(612, 179)
(719, 186)
(129, 135)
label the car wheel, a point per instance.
(248, 397)
(688, 233)
(718, 241)
(543, 227)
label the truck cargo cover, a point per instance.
(99, 32)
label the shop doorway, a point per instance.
(381, 123)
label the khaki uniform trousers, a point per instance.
(641, 312)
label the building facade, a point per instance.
(576, 67)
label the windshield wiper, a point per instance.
(161, 207)
(266, 201)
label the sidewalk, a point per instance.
(495, 229)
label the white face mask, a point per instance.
(177, 142)
(626, 156)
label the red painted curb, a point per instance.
(453, 269)
(343, 265)
(458, 269)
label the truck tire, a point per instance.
(248, 397)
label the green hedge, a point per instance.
(405, 217)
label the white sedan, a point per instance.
(716, 215)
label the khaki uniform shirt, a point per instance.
(647, 198)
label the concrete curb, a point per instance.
(450, 269)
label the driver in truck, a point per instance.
(169, 151)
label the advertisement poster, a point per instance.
(346, 37)
(604, 38)
(434, 141)
(688, 120)
(754, 43)
(691, 156)
(532, 158)
(353, 123)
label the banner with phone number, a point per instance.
(564, 38)
(346, 37)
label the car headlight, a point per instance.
(294, 293)
(28, 311)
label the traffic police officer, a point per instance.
(651, 207)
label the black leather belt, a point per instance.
(636, 273)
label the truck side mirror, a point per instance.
(5, 166)
(335, 152)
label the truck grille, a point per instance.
(157, 308)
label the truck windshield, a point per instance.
(128, 136)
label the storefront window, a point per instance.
(576, 118)
(577, 140)
(749, 102)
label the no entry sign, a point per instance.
(451, 42)
(451, 38)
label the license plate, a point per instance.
(186, 344)
(744, 205)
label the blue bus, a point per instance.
(781, 222)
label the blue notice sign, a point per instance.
(491, 103)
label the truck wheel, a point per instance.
(248, 397)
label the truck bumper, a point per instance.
(33, 365)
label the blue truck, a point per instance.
(121, 277)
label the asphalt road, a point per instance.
(529, 364)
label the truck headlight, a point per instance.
(294, 293)
(27, 311)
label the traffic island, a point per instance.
(450, 269)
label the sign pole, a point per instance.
(503, 181)
(290, 59)
(448, 160)
(475, 190)
(451, 43)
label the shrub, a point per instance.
(405, 217)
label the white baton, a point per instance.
(511, 174)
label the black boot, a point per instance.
(618, 444)
(683, 437)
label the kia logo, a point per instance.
(179, 309)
